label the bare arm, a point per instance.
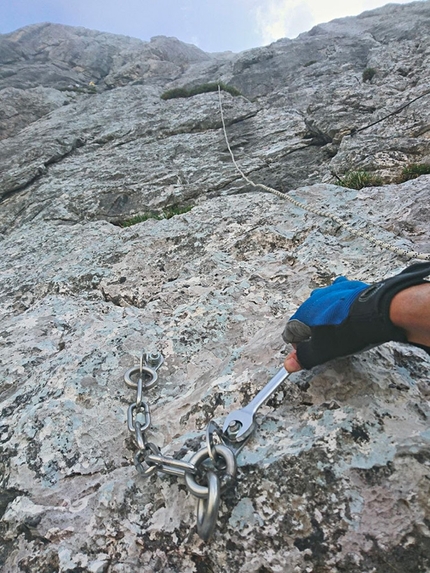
(410, 309)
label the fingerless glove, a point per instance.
(349, 316)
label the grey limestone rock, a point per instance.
(53, 55)
(336, 477)
(20, 107)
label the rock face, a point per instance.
(336, 477)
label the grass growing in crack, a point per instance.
(200, 89)
(413, 171)
(90, 89)
(170, 212)
(359, 179)
(167, 213)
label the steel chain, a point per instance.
(215, 464)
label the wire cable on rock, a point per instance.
(398, 110)
(320, 212)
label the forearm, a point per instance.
(410, 310)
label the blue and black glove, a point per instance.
(349, 316)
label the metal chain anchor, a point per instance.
(208, 472)
(139, 412)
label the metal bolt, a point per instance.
(233, 428)
(153, 358)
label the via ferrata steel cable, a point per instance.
(320, 212)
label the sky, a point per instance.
(212, 25)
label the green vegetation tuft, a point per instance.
(413, 171)
(90, 89)
(175, 93)
(173, 210)
(200, 89)
(167, 213)
(359, 179)
(368, 74)
(139, 219)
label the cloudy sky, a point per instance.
(213, 25)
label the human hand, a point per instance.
(291, 363)
(347, 317)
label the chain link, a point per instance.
(229, 469)
(207, 509)
(213, 430)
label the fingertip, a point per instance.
(291, 364)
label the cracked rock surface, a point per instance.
(336, 477)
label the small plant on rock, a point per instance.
(140, 219)
(167, 213)
(359, 179)
(175, 93)
(200, 89)
(368, 74)
(413, 171)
